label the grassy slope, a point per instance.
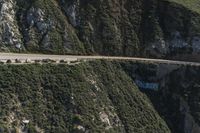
(43, 94)
(193, 5)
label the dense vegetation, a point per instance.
(99, 96)
(95, 97)
(165, 28)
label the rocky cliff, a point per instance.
(165, 28)
(173, 90)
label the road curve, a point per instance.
(23, 57)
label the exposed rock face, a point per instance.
(72, 11)
(177, 28)
(109, 27)
(177, 99)
(10, 36)
(36, 19)
(185, 92)
(45, 28)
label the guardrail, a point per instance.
(42, 61)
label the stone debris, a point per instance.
(104, 118)
(25, 121)
(79, 127)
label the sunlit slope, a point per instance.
(193, 5)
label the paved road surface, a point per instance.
(12, 56)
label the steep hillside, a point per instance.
(100, 96)
(193, 5)
(165, 28)
(91, 97)
(177, 97)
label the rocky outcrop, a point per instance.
(145, 28)
(10, 36)
(177, 96)
(45, 28)
(175, 29)
(127, 28)
(36, 19)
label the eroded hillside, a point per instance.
(165, 28)
(89, 97)
(100, 96)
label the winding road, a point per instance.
(32, 57)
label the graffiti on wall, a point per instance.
(147, 85)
